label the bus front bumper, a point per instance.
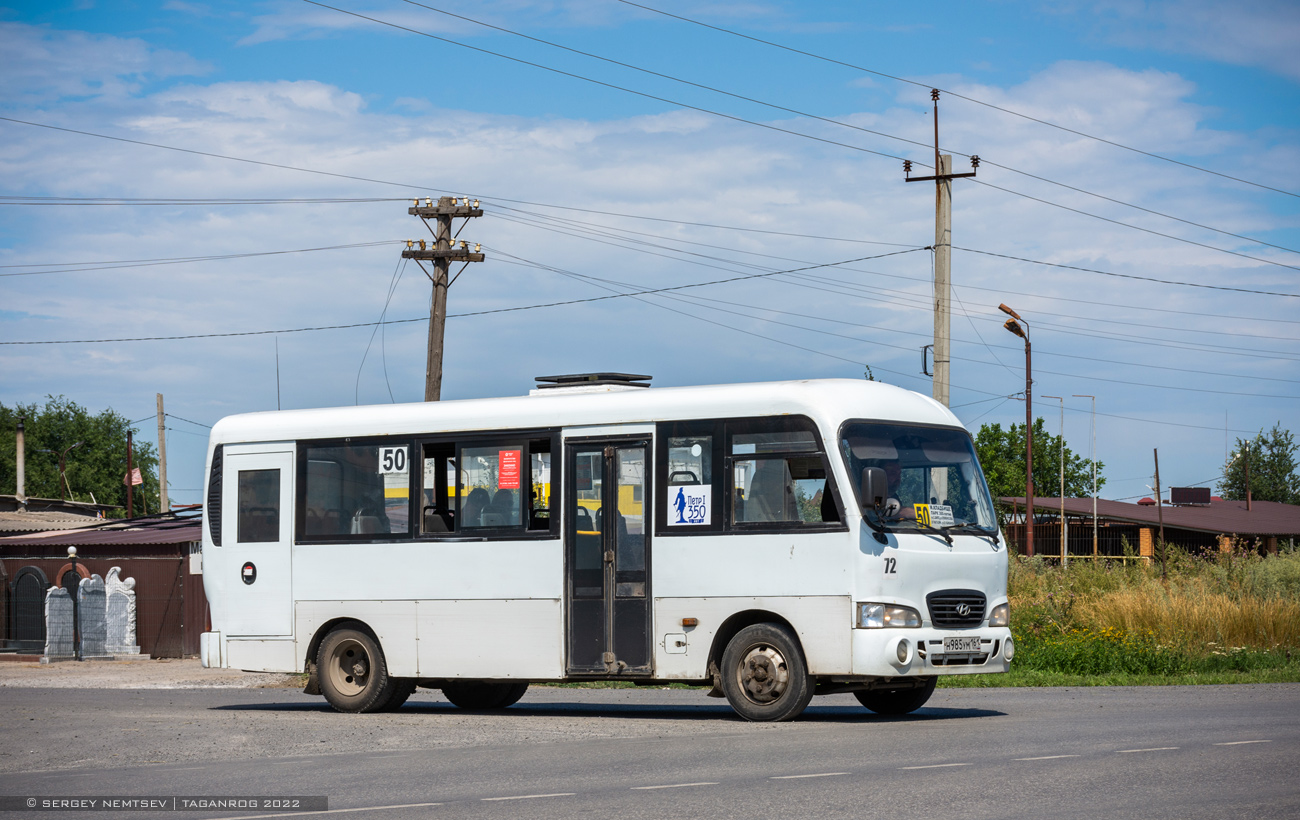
(907, 652)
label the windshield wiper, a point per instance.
(973, 529)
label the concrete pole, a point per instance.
(21, 456)
(164, 503)
(942, 279)
(438, 309)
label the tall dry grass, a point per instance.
(1201, 606)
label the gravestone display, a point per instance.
(91, 612)
(58, 624)
(120, 613)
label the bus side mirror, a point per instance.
(875, 487)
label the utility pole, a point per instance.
(1160, 513)
(1065, 551)
(164, 503)
(130, 475)
(943, 178)
(442, 252)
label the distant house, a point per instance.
(42, 514)
(1214, 525)
(162, 553)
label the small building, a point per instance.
(162, 553)
(1211, 525)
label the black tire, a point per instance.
(352, 672)
(403, 688)
(764, 675)
(896, 701)
(479, 695)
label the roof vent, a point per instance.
(590, 382)
(1148, 502)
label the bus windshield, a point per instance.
(933, 475)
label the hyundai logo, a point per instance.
(963, 610)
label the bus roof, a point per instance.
(832, 400)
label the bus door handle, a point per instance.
(609, 556)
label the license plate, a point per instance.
(971, 644)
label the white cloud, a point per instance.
(681, 165)
(1259, 33)
(41, 64)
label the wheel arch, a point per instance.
(313, 646)
(733, 624)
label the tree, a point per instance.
(1002, 456)
(1273, 473)
(94, 468)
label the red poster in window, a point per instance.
(508, 469)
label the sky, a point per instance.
(204, 169)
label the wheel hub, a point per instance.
(349, 668)
(763, 674)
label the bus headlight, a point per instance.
(880, 616)
(1001, 615)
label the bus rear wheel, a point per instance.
(353, 674)
(481, 695)
(764, 675)
(897, 701)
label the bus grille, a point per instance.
(956, 607)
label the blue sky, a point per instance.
(295, 84)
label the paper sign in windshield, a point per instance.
(934, 515)
(689, 504)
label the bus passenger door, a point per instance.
(257, 521)
(607, 546)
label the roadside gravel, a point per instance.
(160, 673)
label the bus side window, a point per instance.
(539, 457)
(436, 515)
(778, 474)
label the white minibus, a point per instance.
(773, 541)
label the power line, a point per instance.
(196, 423)
(1132, 276)
(594, 81)
(642, 247)
(571, 221)
(843, 124)
(81, 267)
(136, 201)
(961, 97)
(449, 316)
(759, 124)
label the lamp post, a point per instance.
(1065, 548)
(1013, 326)
(76, 619)
(1093, 455)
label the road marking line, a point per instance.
(1046, 757)
(1242, 742)
(799, 776)
(530, 796)
(1157, 749)
(671, 786)
(935, 766)
(285, 762)
(334, 811)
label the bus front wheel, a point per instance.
(897, 701)
(353, 674)
(764, 675)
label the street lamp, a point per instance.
(1013, 326)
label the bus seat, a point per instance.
(435, 521)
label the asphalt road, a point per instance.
(1159, 752)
